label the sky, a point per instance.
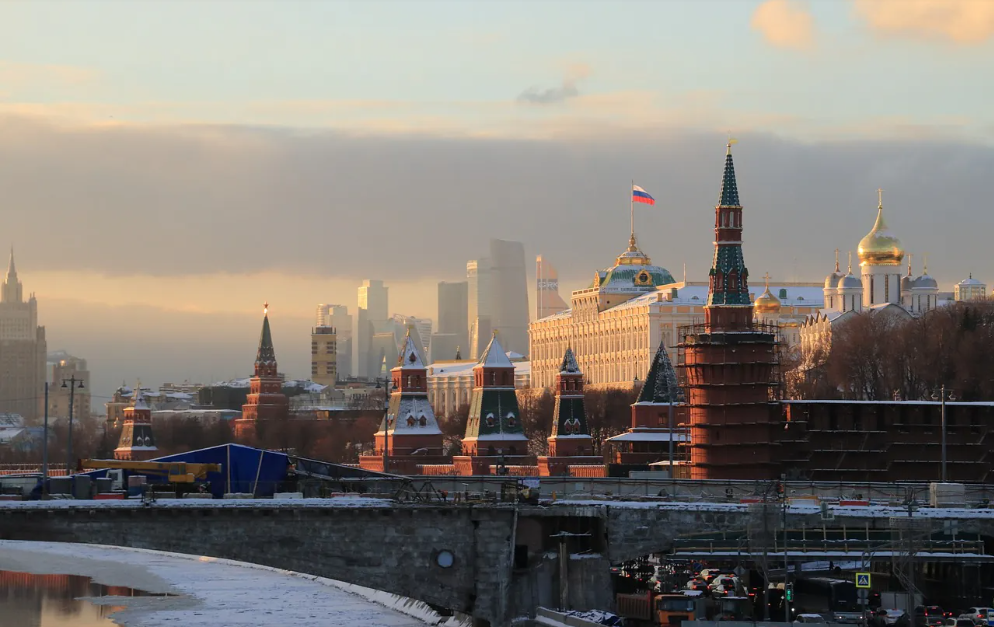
(165, 168)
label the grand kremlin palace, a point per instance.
(615, 326)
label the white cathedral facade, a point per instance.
(879, 287)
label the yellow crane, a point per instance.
(175, 472)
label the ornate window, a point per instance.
(490, 420)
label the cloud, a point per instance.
(560, 94)
(785, 24)
(188, 229)
(959, 21)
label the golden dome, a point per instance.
(880, 247)
(767, 302)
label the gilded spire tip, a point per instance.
(836, 260)
(880, 198)
(850, 262)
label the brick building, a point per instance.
(729, 363)
(266, 400)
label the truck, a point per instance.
(649, 608)
(899, 601)
(834, 599)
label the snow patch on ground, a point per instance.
(217, 592)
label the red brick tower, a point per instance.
(266, 401)
(570, 443)
(729, 364)
(137, 442)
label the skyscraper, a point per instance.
(23, 351)
(498, 291)
(338, 316)
(509, 296)
(371, 320)
(477, 303)
(547, 299)
(453, 312)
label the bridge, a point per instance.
(491, 561)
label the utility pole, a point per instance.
(44, 450)
(786, 564)
(386, 422)
(72, 381)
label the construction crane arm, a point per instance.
(180, 472)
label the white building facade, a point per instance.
(615, 326)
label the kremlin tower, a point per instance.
(409, 433)
(266, 401)
(570, 443)
(137, 442)
(729, 363)
(494, 434)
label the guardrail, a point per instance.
(709, 491)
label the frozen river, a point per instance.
(205, 592)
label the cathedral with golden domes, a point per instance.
(879, 286)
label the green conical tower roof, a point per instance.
(729, 189)
(661, 386)
(266, 354)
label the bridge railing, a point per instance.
(711, 491)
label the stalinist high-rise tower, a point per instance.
(22, 350)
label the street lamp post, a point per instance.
(72, 383)
(942, 419)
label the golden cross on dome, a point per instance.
(767, 277)
(880, 197)
(836, 259)
(850, 262)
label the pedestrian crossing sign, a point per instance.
(862, 580)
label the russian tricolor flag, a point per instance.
(640, 195)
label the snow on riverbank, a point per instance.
(214, 592)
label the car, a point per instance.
(979, 615)
(810, 618)
(930, 615)
(894, 617)
(958, 622)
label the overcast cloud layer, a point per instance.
(195, 202)
(198, 200)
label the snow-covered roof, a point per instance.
(11, 420)
(661, 435)
(970, 281)
(234, 383)
(407, 414)
(7, 434)
(458, 369)
(409, 357)
(140, 400)
(494, 355)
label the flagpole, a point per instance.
(631, 203)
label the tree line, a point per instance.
(880, 356)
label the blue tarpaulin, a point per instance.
(243, 468)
